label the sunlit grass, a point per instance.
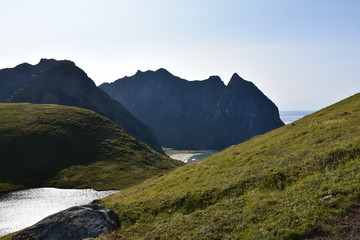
(270, 187)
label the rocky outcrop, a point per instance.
(196, 114)
(75, 223)
(62, 82)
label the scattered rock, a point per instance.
(75, 223)
(344, 113)
(96, 201)
(326, 198)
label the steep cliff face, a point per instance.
(196, 114)
(65, 84)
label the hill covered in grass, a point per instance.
(294, 182)
(60, 146)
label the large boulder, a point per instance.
(75, 223)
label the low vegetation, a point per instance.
(291, 183)
(68, 147)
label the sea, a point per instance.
(291, 116)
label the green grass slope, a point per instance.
(270, 187)
(53, 145)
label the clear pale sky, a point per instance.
(303, 54)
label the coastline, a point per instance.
(184, 157)
(187, 156)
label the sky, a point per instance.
(303, 54)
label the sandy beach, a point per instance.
(182, 156)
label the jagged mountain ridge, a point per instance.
(196, 114)
(62, 82)
(14, 79)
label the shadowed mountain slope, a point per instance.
(293, 182)
(61, 146)
(14, 79)
(196, 114)
(66, 84)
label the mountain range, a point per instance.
(196, 114)
(62, 82)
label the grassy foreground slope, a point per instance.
(60, 146)
(291, 183)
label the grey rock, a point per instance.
(96, 201)
(75, 223)
(327, 198)
(344, 113)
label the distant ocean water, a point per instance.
(190, 157)
(291, 116)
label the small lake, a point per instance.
(21, 209)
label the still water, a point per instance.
(24, 208)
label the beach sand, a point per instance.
(182, 156)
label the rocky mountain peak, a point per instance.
(66, 84)
(66, 72)
(197, 114)
(236, 79)
(23, 67)
(138, 72)
(46, 63)
(163, 71)
(215, 78)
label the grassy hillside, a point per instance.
(291, 183)
(53, 145)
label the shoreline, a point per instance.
(184, 157)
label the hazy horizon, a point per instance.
(303, 55)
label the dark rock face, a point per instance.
(62, 82)
(196, 114)
(75, 223)
(21, 76)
